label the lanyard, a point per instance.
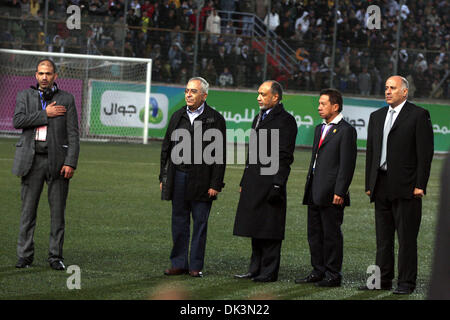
(43, 102)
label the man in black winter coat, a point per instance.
(261, 212)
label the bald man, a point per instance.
(47, 151)
(399, 152)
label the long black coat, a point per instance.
(335, 165)
(255, 216)
(202, 176)
(410, 149)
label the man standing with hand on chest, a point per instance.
(47, 151)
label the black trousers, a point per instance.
(403, 216)
(326, 242)
(265, 260)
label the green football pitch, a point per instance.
(118, 233)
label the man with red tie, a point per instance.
(326, 191)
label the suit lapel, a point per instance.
(317, 134)
(378, 130)
(331, 133)
(36, 101)
(402, 116)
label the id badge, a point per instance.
(41, 133)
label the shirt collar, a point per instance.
(397, 108)
(335, 120)
(197, 111)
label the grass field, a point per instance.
(118, 233)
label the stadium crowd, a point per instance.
(164, 31)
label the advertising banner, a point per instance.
(120, 111)
(11, 85)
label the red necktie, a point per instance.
(322, 136)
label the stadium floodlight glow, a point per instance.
(110, 59)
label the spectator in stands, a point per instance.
(420, 65)
(213, 25)
(226, 78)
(364, 82)
(110, 49)
(425, 29)
(221, 60)
(227, 5)
(247, 6)
(210, 73)
(272, 19)
(284, 31)
(136, 6)
(193, 22)
(229, 33)
(175, 57)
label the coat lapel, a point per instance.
(272, 114)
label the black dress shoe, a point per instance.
(264, 279)
(23, 263)
(248, 275)
(329, 282)
(57, 265)
(403, 290)
(311, 278)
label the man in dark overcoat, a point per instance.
(261, 212)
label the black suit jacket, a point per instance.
(410, 148)
(63, 139)
(335, 165)
(202, 176)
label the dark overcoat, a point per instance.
(255, 216)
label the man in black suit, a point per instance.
(261, 212)
(326, 191)
(400, 149)
(46, 152)
(190, 180)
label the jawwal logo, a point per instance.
(156, 115)
(127, 109)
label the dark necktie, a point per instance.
(261, 116)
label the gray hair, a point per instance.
(405, 83)
(204, 84)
